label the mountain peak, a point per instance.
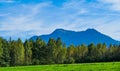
(60, 29)
(91, 29)
(83, 37)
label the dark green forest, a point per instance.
(18, 53)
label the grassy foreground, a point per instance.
(109, 66)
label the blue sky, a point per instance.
(25, 18)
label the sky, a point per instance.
(26, 18)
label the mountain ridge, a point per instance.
(78, 37)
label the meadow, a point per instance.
(107, 66)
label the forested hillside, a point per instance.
(17, 53)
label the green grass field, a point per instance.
(109, 66)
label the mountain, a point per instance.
(80, 37)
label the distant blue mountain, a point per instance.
(81, 37)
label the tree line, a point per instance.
(38, 52)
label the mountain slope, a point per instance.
(81, 37)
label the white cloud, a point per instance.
(26, 20)
(22, 19)
(114, 4)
